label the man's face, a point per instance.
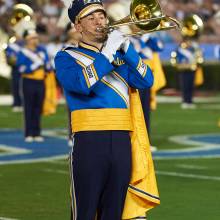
(89, 24)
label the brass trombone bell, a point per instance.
(146, 16)
(143, 11)
(20, 11)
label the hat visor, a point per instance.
(90, 9)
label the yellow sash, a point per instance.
(142, 193)
(50, 99)
(101, 119)
(199, 78)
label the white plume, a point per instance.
(67, 3)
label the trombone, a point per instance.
(146, 16)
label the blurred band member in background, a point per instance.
(11, 54)
(33, 63)
(148, 46)
(188, 59)
(187, 66)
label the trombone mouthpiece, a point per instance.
(100, 29)
(104, 30)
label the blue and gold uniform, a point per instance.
(186, 58)
(33, 65)
(93, 85)
(112, 174)
(97, 94)
(11, 54)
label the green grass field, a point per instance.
(40, 191)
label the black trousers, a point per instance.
(16, 85)
(187, 86)
(145, 101)
(100, 173)
(33, 97)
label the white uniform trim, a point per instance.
(119, 85)
(142, 68)
(37, 60)
(83, 59)
(15, 47)
(87, 62)
(187, 54)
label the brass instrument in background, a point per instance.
(192, 27)
(20, 11)
(191, 30)
(146, 16)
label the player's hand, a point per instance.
(114, 43)
(125, 45)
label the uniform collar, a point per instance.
(89, 47)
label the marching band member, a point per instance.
(146, 54)
(156, 46)
(33, 63)
(11, 54)
(186, 62)
(20, 16)
(148, 46)
(97, 77)
(188, 59)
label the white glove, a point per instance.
(114, 43)
(125, 45)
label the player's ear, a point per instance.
(78, 27)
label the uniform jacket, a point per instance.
(186, 55)
(97, 89)
(33, 64)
